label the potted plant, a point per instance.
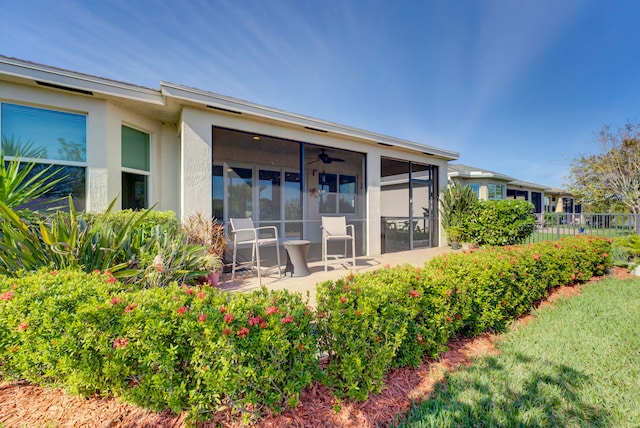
(212, 263)
(455, 234)
(210, 233)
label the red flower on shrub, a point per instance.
(202, 317)
(95, 271)
(458, 316)
(226, 331)
(414, 293)
(201, 295)
(229, 318)
(263, 324)
(54, 272)
(130, 308)
(255, 321)
(378, 340)
(111, 279)
(23, 326)
(271, 310)
(536, 257)
(116, 301)
(301, 346)
(605, 255)
(222, 309)
(182, 310)
(358, 313)
(287, 319)
(343, 299)
(449, 319)
(243, 332)
(7, 295)
(189, 291)
(120, 342)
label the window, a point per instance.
(495, 191)
(337, 193)
(536, 200)
(522, 195)
(476, 189)
(53, 138)
(293, 204)
(135, 168)
(218, 192)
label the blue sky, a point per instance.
(518, 87)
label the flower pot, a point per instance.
(455, 245)
(213, 278)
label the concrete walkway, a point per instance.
(249, 281)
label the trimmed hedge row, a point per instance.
(201, 349)
(175, 347)
(372, 322)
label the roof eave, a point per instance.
(75, 81)
(234, 105)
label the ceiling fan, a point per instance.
(325, 158)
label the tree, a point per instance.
(612, 176)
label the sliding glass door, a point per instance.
(408, 205)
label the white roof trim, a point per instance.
(83, 82)
(95, 85)
(239, 106)
(480, 174)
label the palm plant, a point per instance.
(455, 202)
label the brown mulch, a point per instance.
(28, 405)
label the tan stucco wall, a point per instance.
(104, 121)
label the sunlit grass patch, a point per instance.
(577, 365)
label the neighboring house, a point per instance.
(492, 185)
(193, 151)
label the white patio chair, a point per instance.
(244, 233)
(336, 229)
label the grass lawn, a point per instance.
(552, 233)
(578, 365)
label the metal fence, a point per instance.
(553, 226)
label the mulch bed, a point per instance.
(22, 404)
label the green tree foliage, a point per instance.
(612, 176)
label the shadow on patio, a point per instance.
(248, 281)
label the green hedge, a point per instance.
(118, 219)
(173, 347)
(201, 349)
(371, 322)
(501, 222)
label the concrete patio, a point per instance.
(248, 281)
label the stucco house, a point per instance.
(490, 185)
(193, 151)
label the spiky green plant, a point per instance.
(17, 183)
(65, 240)
(455, 202)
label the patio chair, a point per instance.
(244, 233)
(336, 229)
